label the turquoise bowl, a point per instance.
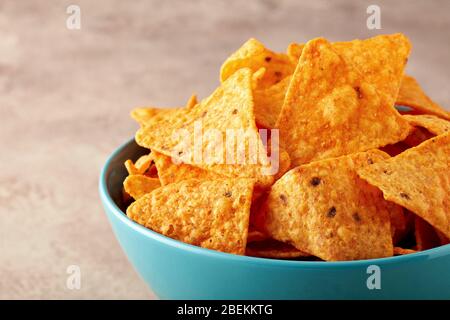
(175, 270)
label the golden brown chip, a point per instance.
(228, 109)
(331, 110)
(401, 251)
(412, 95)
(140, 167)
(268, 103)
(273, 249)
(169, 172)
(419, 180)
(380, 59)
(254, 55)
(432, 123)
(139, 185)
(294, 51)
(131, 169)
(191, 102)
(324, 209)
(426, 236)
(144, 115)
(211, 214)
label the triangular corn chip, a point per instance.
(268, 103)
(210, 214)
(228, 109)
(139, 185)
(412, 95)
(331, 110)
(419, 180)
(254, 55)
(169, 172)
(324, 209)
(432, 123)
(380, 59)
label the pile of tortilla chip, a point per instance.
(326, 152)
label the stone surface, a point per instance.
(65, 96)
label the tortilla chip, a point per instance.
(331, 110)
(254, 55)
(228, 109)
(268, 103)
(139, 185)
(381, 60)
(324, 209)
(169, 172)
(401, 251)
(419, 180)
(144, 115)
(294, 51)
(432, 123)
(412, 95)
(426, 236)
(140, 167)
(210, 214)
(131, 169)
(191, 102)
(273, 249)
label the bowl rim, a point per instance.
(111, 206)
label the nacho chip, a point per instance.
(273, 249)
(228, 109)
(294, 51)
(254, 55)
(426, 236)
(191, 102)
(381, 60)
(210, 214)
(140, 167)
(401, 251)
(331, 110)
(139, 185)
(324, 209)
(412, 95)
(432, 123)
(144, 115)
(169, 172)
(268, 103)
(131, 169)
(419, 180)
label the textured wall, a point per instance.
(65, 97)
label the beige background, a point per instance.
(65, 97)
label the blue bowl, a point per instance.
(175, 270)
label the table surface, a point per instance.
(65, 96)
